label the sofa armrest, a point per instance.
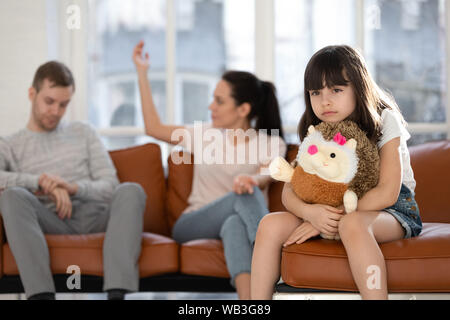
(2, 241)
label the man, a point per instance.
(57, 178)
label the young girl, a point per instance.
(227, 200)
(338, 86)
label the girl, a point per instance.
(338, 86)
(227, 201)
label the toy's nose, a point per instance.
(312, 150)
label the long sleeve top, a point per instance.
(73, 151)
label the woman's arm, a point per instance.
(153, 125)
(386, 192)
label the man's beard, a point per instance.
(38, 119)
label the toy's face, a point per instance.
(334, 161)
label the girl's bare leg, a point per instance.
(360, 233)
(274, 229)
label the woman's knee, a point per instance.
(232, 224)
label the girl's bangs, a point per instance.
(324, 69)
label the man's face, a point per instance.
(49, 105)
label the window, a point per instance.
(192, 42)
(302, 27)
(405, 47)
(212, 36)
(115, 28)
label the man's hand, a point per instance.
(63, 203)
(48, 183)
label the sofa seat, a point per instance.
(159, 254)
(419, 264)
(204, 257)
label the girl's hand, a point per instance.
(324, 218)
(244, 184)
(304, 232)
(141, 63)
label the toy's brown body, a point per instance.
(313, 189)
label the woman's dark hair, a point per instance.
(342, 66)
(55, 72)
(261, 95)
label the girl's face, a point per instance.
(225, 113)
(333, 104)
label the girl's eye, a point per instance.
(314, 93)
(333, 155)
(337, 90)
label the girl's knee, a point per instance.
(274, 224)
(352, 223)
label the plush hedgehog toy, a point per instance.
(336, 164)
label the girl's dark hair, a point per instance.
(55, 72)
(261, 95)
(343, 65)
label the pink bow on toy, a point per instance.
(340, 139)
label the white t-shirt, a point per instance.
(392, 127)
(217, 161)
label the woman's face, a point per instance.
(333, 104)
(225, 113)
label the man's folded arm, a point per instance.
(8, 178)
(103, 174)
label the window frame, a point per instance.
(264, 61)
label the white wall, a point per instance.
(23, 47)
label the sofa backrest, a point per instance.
(143, 165)
(431, 166)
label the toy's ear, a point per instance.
(311, 129)
(351, 144)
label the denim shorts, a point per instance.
(406, 211)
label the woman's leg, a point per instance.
(238, 254)
(206, 222)
(360, 233)
(273, 231)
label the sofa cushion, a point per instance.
(159, 254)
(419, 264)
(143, 165)
(203, 257)
(179, 185)
(430, 163)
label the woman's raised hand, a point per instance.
(141, 62)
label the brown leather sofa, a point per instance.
(421, 264)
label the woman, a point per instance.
(228, 198)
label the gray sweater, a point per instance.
(72, 151)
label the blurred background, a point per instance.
(192, 42)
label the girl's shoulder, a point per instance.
(392, 127)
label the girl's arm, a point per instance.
(153, 125)
(323, 218)
(385, 194)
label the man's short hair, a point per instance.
(55, 72)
